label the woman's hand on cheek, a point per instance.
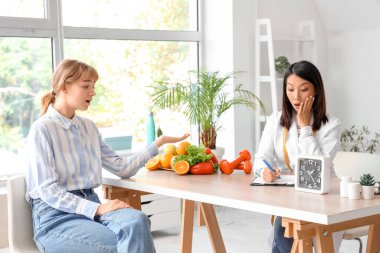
(305, 112)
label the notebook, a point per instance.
(284, 180)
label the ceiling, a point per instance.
(341, 16)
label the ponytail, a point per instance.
(46, 100)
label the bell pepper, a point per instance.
(203, 168)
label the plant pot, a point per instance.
(218, 152)
(368, 192)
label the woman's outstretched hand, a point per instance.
(111, 205)
(169, 139)
(305, 113)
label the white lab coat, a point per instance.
(326, 142)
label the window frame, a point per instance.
(52, 27)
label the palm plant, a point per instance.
(203, 100)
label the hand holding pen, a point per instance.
(270, 174)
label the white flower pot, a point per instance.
(218, 152)
(368, 192)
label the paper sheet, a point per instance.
(285, 180)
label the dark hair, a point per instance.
(310, 73)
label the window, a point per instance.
(20, 8)
(25, 70)
(141, 14)
(132, 44)
(126, 70)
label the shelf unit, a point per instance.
(266, 85)
(264, 36)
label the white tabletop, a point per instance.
(235, 191)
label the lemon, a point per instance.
(170, 149)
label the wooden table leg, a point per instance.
(187, 225)
(213, 228)
(324, 239)
(373, 243)
(201, 220)
(302, 233)
(302, 245)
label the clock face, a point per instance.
(310, 174)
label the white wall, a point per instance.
(229, 46)
(218, 56)
(244, 16)
(353, 80)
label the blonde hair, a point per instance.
(67, 72)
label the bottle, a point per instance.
(150, 129)
(344, 181)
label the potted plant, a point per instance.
(368, 186)
(203, 99)
(281, 63)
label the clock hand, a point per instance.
(311, 175)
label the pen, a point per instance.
(270, 167)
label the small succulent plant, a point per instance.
(367, 180)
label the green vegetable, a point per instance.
(195, 155)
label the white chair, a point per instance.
(20, 225)
(355, 164)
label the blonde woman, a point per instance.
(66, 157)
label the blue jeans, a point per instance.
(123, 230)
(280, 244)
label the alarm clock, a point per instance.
(312, 174)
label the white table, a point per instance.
(307, 214)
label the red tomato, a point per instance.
(204, 168)
(213, 158)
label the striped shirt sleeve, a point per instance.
(125, 167)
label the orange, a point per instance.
(181, 148)
(165, 160)
(153, 163)
(181, 167)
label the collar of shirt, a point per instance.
(65, 122)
